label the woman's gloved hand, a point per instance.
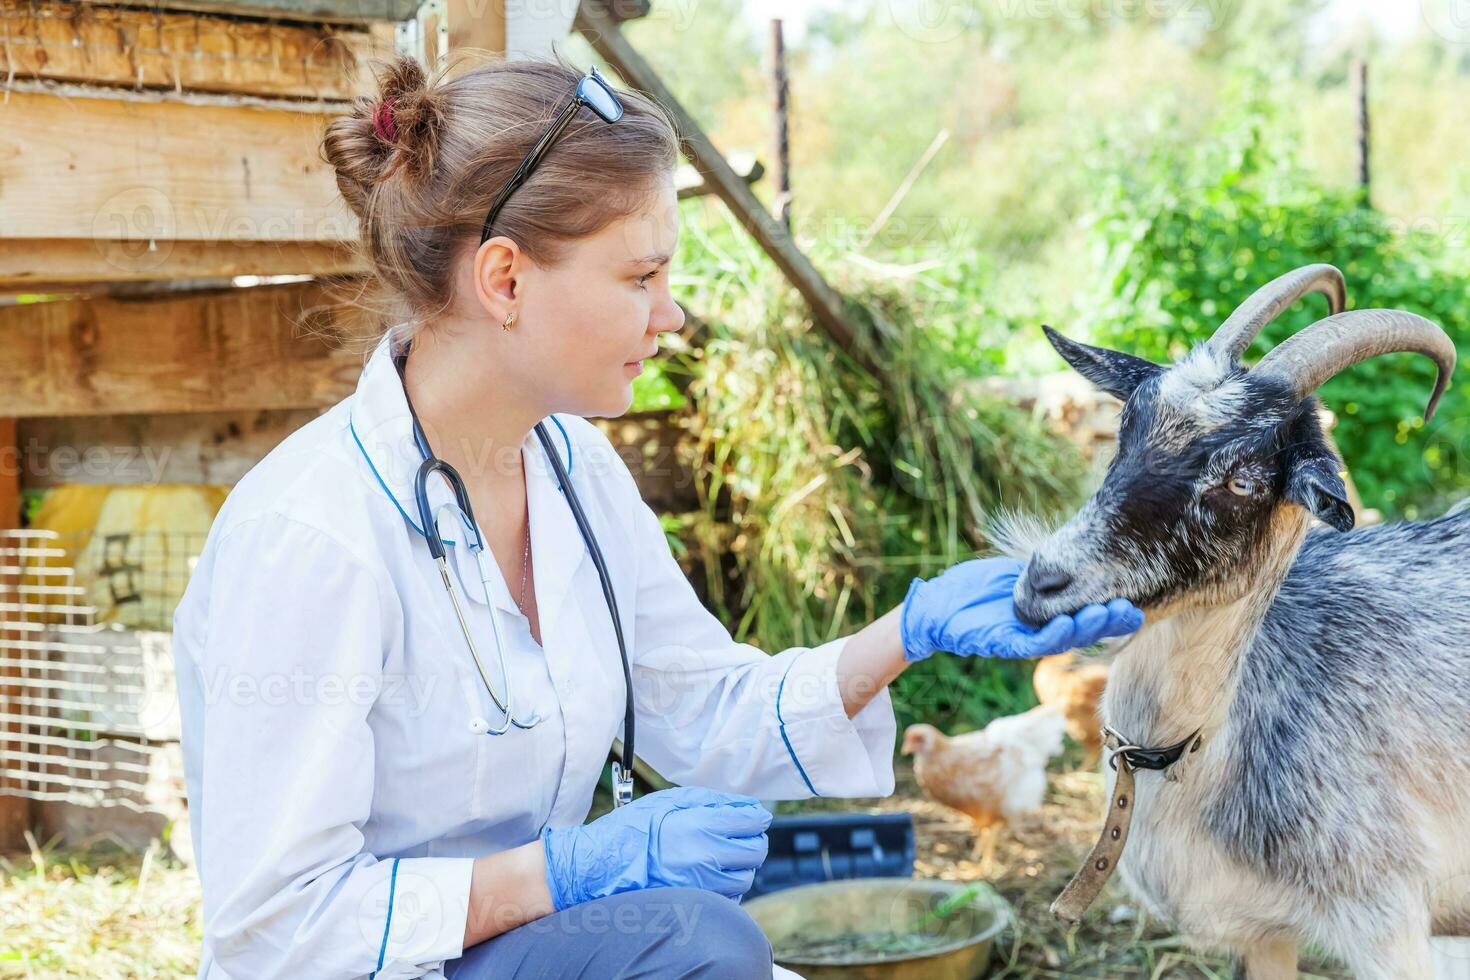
(685, 836)
(968, 610)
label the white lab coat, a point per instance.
(337, 794)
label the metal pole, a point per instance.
(783, 160)
(1360, 86)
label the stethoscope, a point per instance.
(622, 772)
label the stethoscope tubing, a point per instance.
(507, 706)
(607, 593)
(622, 770)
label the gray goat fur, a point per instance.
(1329, 669)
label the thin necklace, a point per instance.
(525, 564)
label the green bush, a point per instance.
(824, 490)
(1190, 232)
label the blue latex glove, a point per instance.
(685, 836)
(968, 610)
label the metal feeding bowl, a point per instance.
(882, 928)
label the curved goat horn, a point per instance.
(1268, 302)
(1309, 357)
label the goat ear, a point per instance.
(1315, 482)
(1113, 371)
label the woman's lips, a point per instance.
(635, 368)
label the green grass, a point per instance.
(100, 913)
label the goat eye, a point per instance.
(1241, 486)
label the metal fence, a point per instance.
(88, 709)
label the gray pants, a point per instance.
(662, 933)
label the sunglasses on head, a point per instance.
(592, 91)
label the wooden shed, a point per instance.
(167, 230)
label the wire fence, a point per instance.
(133, 578)
(88, 709)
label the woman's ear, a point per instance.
(496, 266)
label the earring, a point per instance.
(509, 321)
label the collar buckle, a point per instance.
(1158, 759)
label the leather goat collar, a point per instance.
(1125, 757)
(1139, 757)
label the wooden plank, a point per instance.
(224, 350)
(200, 447)
(625, 10)
(459, 33)
(689, 182)
(826, 303)
(15, 811)
(138, 171)
(182, 51)
(220, 447)
(9, 475)
(41, 265)
(476, 25)
(648, 443)
(312, 11)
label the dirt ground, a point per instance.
(1115, 940)
(104, 915)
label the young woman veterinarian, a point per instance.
(402, 655)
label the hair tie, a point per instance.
(383, 123)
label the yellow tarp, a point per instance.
(131, 546)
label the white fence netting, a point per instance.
(88, 710)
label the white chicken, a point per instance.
(993, 775)
(1074, 686)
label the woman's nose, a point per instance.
(669, 318)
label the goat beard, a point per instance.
(1016, 534)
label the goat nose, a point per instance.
(1045, 581)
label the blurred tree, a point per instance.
(707, 53)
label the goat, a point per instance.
(1327, 673)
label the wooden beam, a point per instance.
(9, 475)
(312, 11)
(826, 304)
(55, 265)
(15, 811)
(689, 182)
(143, 171)
(478, 26)
(622, 11)
(459, 33)
(182, 51)
(648, 443)
(225, 350)
(201, 447)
